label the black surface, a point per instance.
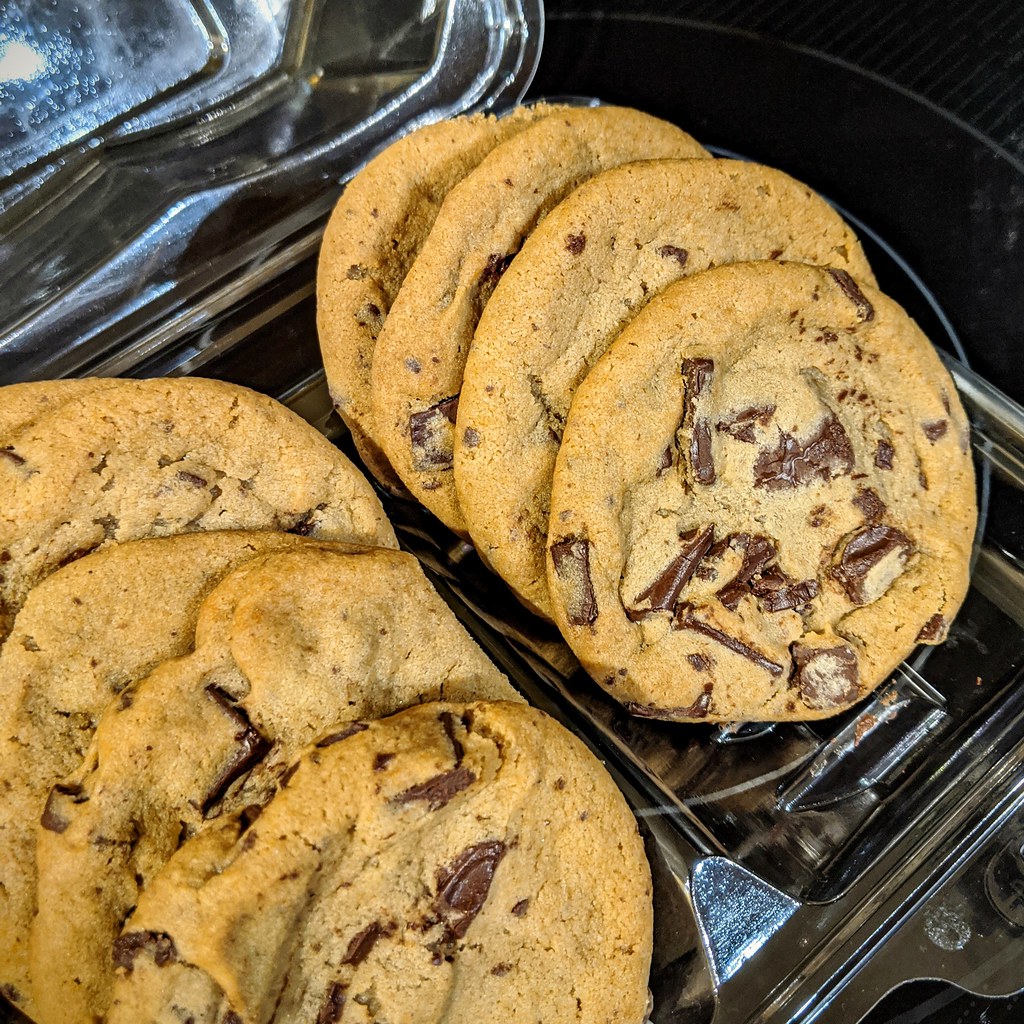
(909, 117)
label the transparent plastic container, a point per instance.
(168, 172)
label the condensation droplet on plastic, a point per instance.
(946, 928)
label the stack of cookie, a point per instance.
(663, 398)
(253, 767)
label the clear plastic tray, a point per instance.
(163, 217)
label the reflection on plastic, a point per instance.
(736, 911)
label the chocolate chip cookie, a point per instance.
(288, 647)
(373, 236)
(84, 634)
(470, 863)
(141, 458)
(421, 351)
(763, 500)
(582, 275)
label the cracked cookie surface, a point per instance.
(371, 240)
(763, 501)
(470, 862)
(582, 275)
(128, 459)
(421, 351)
(288, 646)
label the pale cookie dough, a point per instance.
(764, 499)
(288, 647)
(374, 234)
(84, 634)
(451, 864)
(147, 458)
(421, 352)
(588, 268)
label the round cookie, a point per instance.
(420, 353)
(763, 500)
(451, 863)
(83, 635)
(142, 458)
(372, 237)
(582, 275)
(288, 647)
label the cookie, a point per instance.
(581, 276)
(373, 236)
(22, 404)
(468, 863)
(84, 634)
(764, 498)
(288, 647)
(142, 458)
(420, 354)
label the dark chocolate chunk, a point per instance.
(250, 750)
(571, 558)
(826, 676)
(697, 374)
(698, 709)
(431, 435)
(663, 593)
(575, 244)
(520, 908)
(304, 525)
(342, 734)
(935, 430)
(440, 789)
(128, 946)
(192, 479)
(665, 463)
(447, 720)
(699, 662)
(863, 552)
(673, 252)
(471, 437)
(740, 425)
(11, 455)
(826, 454)
(849, 287)
(776, 592)
(870, 505)
(288, 775)
(381, 761)
(758, 551)
(462, 887)
(496, 265)
(701, 458)
(52, 819)
(933, 631)
(685, 619)
(364, 941)
(333, 1004)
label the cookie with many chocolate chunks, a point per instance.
(372, 238)
(588, 268)
(421, 351)
(288, 647)
(451, 864)
(763, 500)
(86, 633)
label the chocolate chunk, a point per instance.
(826, 454)
(878, 547)
(52, 820)
(698, 709)
(849, 287)
(496, 265)
(500, 970)
(870, 505)
(673, 252)
(364, 941)
(776, 592)
(438, 790)
(665, 462)
(520, 908)
(250, 750)
(697, 375)
(381, 761)
(471, 437)
(933, 631)
(11, 455)
(699, 662)
(935, 430)
(304, 525)
(685, 619)
(701, 458)
(342, 734)
(575, 244)
(333, 1004)
(431, 435)
(192, 479)
(571, 558)
(462, 887)
(289, 774)
(447, 720)
(758, 551)
(412, 364)
(826, 676)
(740, 425)
(663, 593)
(128, 946)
